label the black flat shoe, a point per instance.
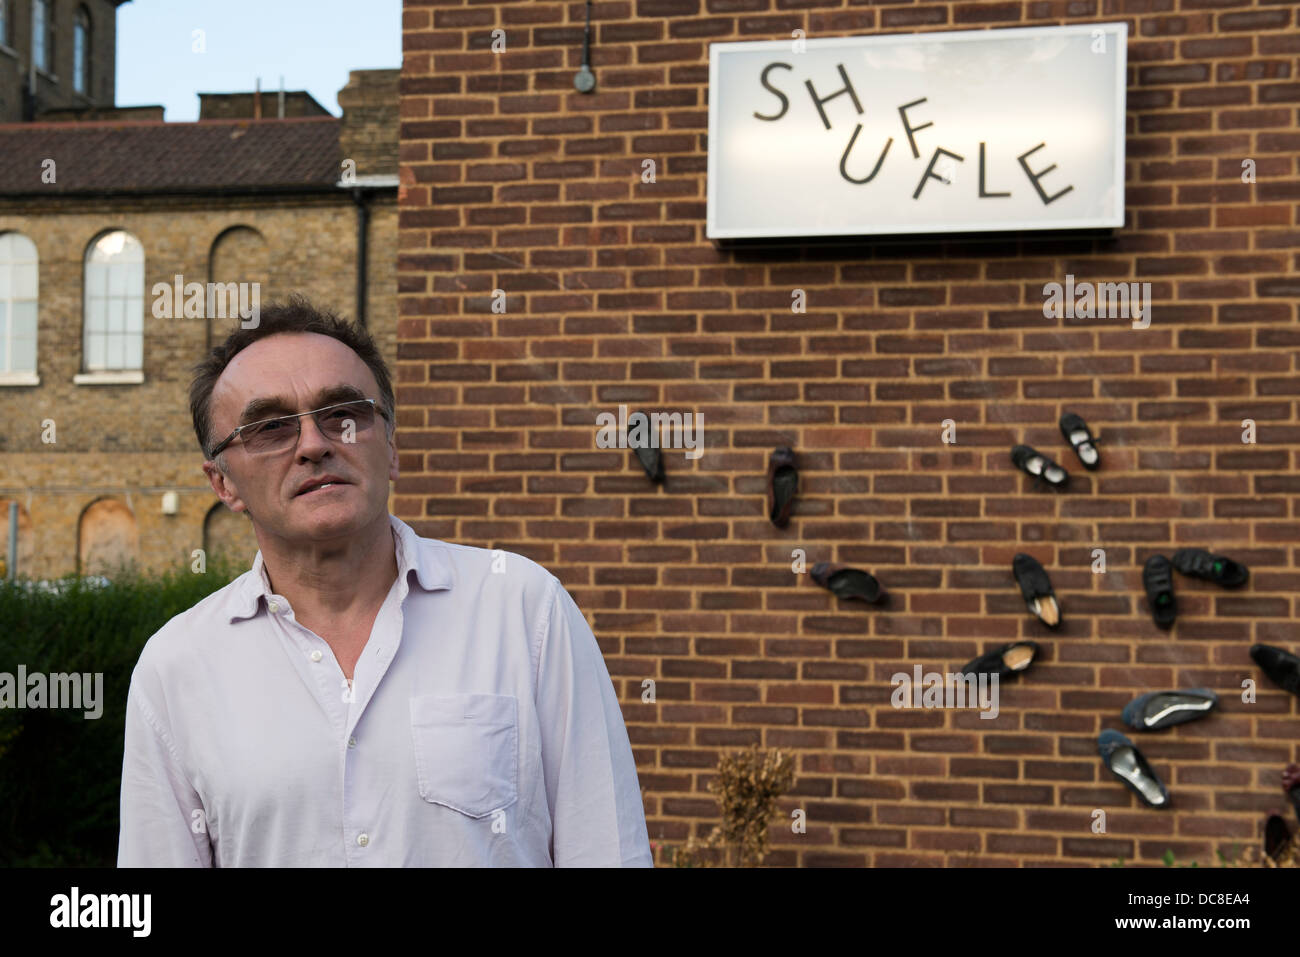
(1036, 588)
(1281, 666)
(1158, 580)
(1277, 836)
(1007, 662)
(1125, 761)
(1160, 709)
(782, 484)
(1291, 785)
(1035, 463)
(1198, 563)
(846, 582)
(1076, 432)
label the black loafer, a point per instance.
(1125, 761)
(1198, 563)
(1282, 666)
(1158, 580)
(782, 485)
(1035, 463)
(1160, 709)
(1007, 662)
(1079, 436)
(1036, 588)
(1291, 785)
(1277, 836)
(846, 582)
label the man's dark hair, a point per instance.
(297, 315)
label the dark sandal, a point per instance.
(846, 582)
(1198, 563)
(1076, 432)
(1036, 588)
(1281, 666)
(1006, 662)
(1125, 761)
(782, 485)
(1158, 580)
(1160, 709)
(1035, 463)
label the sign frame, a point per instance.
(1113, 219)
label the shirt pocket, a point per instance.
(466, 751)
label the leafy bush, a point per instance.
(60, 773)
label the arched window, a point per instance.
(114, 303)
(42, 54)
(4, 22)
(81, 52)
(18, 272)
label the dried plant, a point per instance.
(747, 787)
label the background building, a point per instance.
(612, 294)
(264, 188)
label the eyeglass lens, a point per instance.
(336, 424)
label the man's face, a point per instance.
(300, 371)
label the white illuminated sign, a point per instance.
(972, 131)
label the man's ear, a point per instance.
(224, 487)
(393, 467)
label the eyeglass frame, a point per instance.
(297, 417)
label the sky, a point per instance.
(311, 43)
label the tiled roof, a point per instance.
(169, 157)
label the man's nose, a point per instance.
(311, 441)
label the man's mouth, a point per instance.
(320, 486)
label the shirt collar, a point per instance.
(425, 556)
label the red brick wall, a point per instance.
(515, 182)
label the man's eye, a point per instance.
(271, 426)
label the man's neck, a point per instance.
(334, 580)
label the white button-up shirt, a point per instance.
(481, 728)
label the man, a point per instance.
(362, 696)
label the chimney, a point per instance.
(257, 99)
(368, 134)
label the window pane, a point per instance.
(79, 58)
(38, 34)
(94, 352)
(4, 319)
(134, 352)
(24, 354)
(116, 353)
(4, 355)
(96, 280)
(6, 287)
(24, 281)
(134, 315)
(25, 319)
(119, 278)
(116, 315)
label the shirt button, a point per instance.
(275, 606)
(316, 655)
(352, 742)
(363, 839)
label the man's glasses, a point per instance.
(336, 423)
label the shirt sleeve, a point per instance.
(597, 819)
(158, 825)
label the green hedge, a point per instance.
(60, 773)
